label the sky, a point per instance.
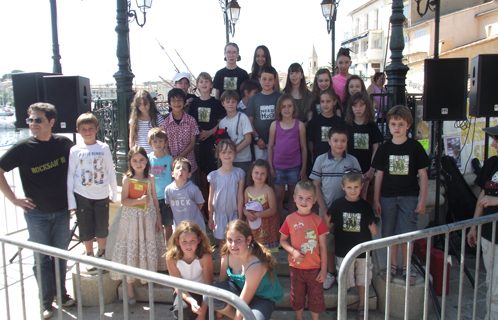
(195, 28)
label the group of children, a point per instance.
(267, 139)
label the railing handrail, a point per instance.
(393, 240)
(96, 99)
(162, 279)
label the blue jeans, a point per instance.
(398, 215)
(51, 229)
(261, 308)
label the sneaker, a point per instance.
(90, 268)
(67, 301)
(102, 255)
(48, 312)
(329, 281)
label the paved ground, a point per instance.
(13, 220)
(141, 310)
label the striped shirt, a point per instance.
(329, 172)
(143, 132)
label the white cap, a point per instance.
(180, 76)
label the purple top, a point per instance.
(379, 101)
(287, 152)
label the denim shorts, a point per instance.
(287, 176)
(260, 307)
(398, 215)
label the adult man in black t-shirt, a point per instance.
(487, 204)
(42, 162)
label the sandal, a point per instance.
(361, 313)
(394, 272)
(413, 276)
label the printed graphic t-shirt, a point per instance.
(303, 231)
(184, 203)
(262, 108)
(207, 112)
(318, 133)
(43, 170)
(351, 221)
(91, 173)
(400, 164)
(161, 170)
(229, 79)
(360, 142)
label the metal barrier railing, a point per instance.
(408, 238)
(101, 264)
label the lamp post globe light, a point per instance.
(124, 76)
(144, 6)
(329, 11)
(231, 12)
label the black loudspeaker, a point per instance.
(445, 89)
(71, 97)
(483, 97)
(28, 89)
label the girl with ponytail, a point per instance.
(241, 258)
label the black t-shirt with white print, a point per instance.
(318, 131)
(361, 139)
(400, 164)
(351, 221)
(229, 79)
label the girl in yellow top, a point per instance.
(264, 224)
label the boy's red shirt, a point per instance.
(304, 231)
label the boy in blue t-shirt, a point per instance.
(160, 167)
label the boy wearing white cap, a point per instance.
(181, 80)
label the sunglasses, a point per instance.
(352, 171)
(31, 120)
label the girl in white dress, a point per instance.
(189, 257)
(140, 241)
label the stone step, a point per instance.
(397, 296)
(165, 295)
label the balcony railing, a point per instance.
(106, 111)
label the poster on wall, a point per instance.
(422, 128)
(453, 147)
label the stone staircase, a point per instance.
(165, 294)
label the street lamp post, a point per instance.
(329, 11)
(396, 71)
(124, 77)
(231, 12)
(57, 69)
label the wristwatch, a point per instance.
(256, 139)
